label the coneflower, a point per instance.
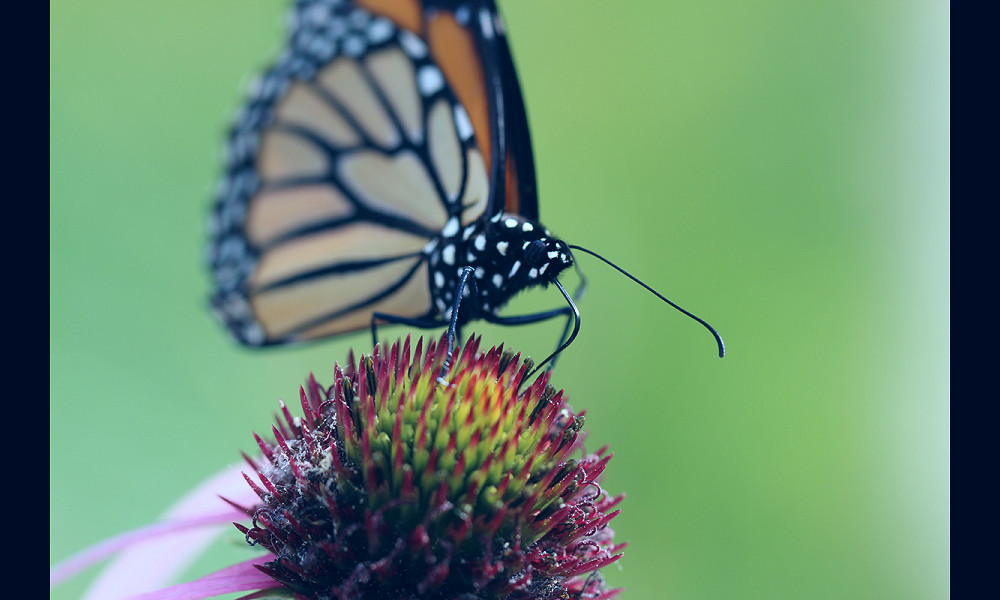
(400, 481)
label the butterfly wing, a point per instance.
(522, 190)
(468, 41)
(355, 151)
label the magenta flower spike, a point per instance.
(397, 483)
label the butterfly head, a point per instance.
(524, 254)
(545, 258)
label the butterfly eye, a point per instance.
(534, 252)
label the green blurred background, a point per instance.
(780, 168)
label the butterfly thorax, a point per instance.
(507, 254)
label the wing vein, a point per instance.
(363, 211)
(342, 110)
(338, 268)
(423, 151)
(374, 298)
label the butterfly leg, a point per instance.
(594, 576)
(537, 318)
(581, 287)
(571, 312)
(454, 329)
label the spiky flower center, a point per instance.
(399, 484)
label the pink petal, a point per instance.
(155, 555)
(102, 550)
(240, 577)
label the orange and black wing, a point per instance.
(468, 40)
(350, 157)
(370, 136)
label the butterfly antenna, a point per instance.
(572, 336)
(718, 338)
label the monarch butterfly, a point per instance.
(381, 171)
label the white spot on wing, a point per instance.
(448, 254)
(486, 23)
(510, 222)
(532, 273)
(359, 17)
(439, 279)
(237, 308)
(497, 280)
(316, 15)
(354, 46)
(337, 27)
(517, 265)
(429, 79)
(480, 242)
(253, 334)
(322, 48)
(498, 24)
(462, 123)
(379, 30)
(412, 45)
(451, 228)
(502, 248)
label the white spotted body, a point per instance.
(508, 254)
